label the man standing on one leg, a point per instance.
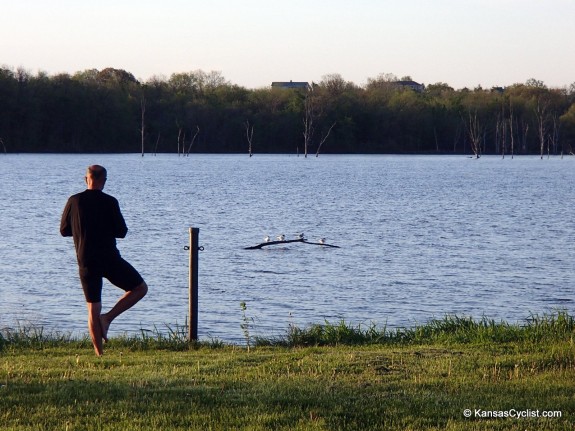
(94, 219)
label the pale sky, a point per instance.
(463, 43)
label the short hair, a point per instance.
(97, 172)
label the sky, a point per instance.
(463, 43)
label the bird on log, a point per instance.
(288, 241)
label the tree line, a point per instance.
(109, 110)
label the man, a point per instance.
(94, 219)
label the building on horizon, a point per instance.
(292, 85)
(415, 86)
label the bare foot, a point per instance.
(105, 324)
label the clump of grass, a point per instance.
(34, 337)
(326, 334)
(449, 330)
(557, 325)
(174, 338)
(453, 329)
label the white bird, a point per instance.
(281, 237)
(300, 236)
(267, 238)
(321, 241)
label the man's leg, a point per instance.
(127, 301)
(95, 327)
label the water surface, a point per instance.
(420, 237)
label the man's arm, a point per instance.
(65, 224)
(120, 227)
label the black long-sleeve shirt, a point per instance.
(94, 219)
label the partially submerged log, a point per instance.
(322, 244)
(265, 244)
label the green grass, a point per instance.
(325, 377)
(451, 329)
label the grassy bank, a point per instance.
(325, 377)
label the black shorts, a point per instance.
(117, 271)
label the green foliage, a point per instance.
(559, 326)
(568, 129)
(100, 111)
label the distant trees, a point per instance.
(567, 123)
(110, 111)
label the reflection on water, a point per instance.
(420, 237)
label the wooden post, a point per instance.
(193, 286)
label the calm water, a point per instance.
(420, 237)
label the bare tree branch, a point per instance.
(193, 139)
(324, 139)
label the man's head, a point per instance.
(96, 177)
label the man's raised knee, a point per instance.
(142, 289)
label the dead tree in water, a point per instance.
(554, 137)
(457, 137)
(307, 132)
(475, 134)
(500, 134)
(323, 140)
(249, 136)
(157, 142)
(179, 137)
(512, 143)
(541, 117)
(143, 125)
(193, 140)
(308, 120)
(503, 138)
(525, 130)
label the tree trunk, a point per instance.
(541, 116)
(308, 121)
(143, 124)
(249, 136)
(475, 134)
(512, 139)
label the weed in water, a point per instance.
(246, 325)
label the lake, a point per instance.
(420, 237)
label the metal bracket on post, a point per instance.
(193, 286)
